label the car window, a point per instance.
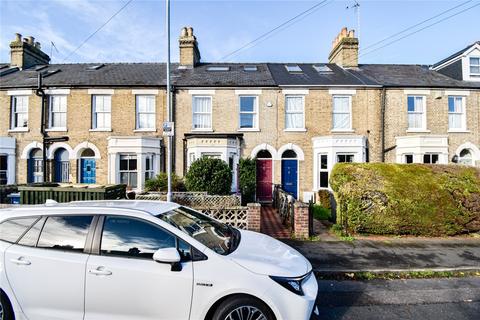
(11, 230)
(128, 237)
(65, 233)
(31, 237)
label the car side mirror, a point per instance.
(170, 256)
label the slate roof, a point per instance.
(392, 75)
(137, 74)
(267, 75)
(311, 77)
(455, 54)
(236, 76)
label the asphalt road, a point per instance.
(422, 299)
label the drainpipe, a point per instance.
(382, 120)
(41, 93)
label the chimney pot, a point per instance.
(18, 37)
(30, 40)
(345, 49)
(189, 53)
(25, 40)
(38, 45)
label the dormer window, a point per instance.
(293, 68)
(475, 66)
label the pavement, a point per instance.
(422, 299)
(397, 255)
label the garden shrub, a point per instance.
(324, 198)
(321, 213)
(247, 179)
(211, 175)
(415, 199)
(160, 183)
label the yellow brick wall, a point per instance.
(396, 119)
(318, 122)
(78, 126)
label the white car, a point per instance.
(145, 260)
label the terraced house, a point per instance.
(297, 119)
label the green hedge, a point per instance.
(416, 199)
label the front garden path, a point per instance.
(271, 223)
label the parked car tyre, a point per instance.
(243, 308)
(6, 312)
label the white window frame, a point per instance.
(431, 154)
(151, 114)
(51, 112)
(463, 114)
(255, 112)
(14, 112)
(149, 173)
(424, 113)
(287, 96)
(5, 172)
(129, 157)
(95, 126)
(349, 129)
(344, 154)
(404, 157)
(210, 128)
(320, 170)
(476, 65)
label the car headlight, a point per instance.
(292, 284)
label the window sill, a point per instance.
(100, 130)
(145, 130)
(342, 130)
(56, 130)
(295, 130)
(202, 130)
(248, 130)
(418, 131)
(458, 131)
(19, 130)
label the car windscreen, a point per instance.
(215, 235)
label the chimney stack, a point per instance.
(189, 53)
(26, 53)
(345, 49)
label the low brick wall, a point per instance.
(301, 223)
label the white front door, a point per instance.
(123, 282)
(49, 280)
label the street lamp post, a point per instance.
(169, 106)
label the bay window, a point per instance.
(128, 170)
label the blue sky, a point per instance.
(137, 33)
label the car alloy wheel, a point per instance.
(246, 313)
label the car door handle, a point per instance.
(100, 271)
(21, 262)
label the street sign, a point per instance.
(168, 129)
(55, 139)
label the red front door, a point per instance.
(264, 180)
